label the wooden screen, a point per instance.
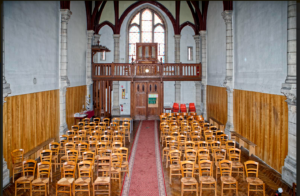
(146, 52)
(102, 98)
(147, 100)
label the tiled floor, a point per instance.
(270, 177)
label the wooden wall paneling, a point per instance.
(29, 120)
(263, 119)
(216, 99)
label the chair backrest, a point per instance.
(223, 139)
(196, 138)
(203, 154)
(69, 169)
(29, 167)
(104, 138)
(69, 146)
(85, 169)
(225, 168)
(117, 138)
(181, 138)
(114, 125)
(187, 168)
(251, 168)
(93, 138)
(126, 126)
(82, 133)
(189, 145)
(97, 120)
(117, 144)
(106, 121)
(123, 151)
(44, 169)
(17, 156)
(72, 155)
(121, 128)
(103, 124)
(46, 156)
(81, 125)
(104, 152)
(209, 138)
(54, 147)
(219, 132)
(82, 147)
(77, 139)
(86, 121)
(191, 155)
(70, 133)
(116, 120)
(75, 127)
(116, 160)
(215, 145)
(202, 144)
(173, 144)
(205, 168)
(89, 156)
(92, 124)
(175, 156)
(219, 155)
(234, 154)
(87, 128)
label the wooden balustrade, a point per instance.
(127, 71)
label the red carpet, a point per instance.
(146, 178)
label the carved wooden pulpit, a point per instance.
(146, 53)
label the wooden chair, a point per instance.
(97, 120)
(92, 124)
(82, 133)
(252, 179)
(229, 144)
(166, 149)
(187, 172)
(102, 183)
(63, 140)
(191, 155)
(206, 176)
(116, 161)
(116, 144)
(81, 125)
(175, 170)
(68, 146)
(82, 184)
(116, 120)
(93, 145)
(127, 130)
(219, 155)
(68, 178)
(202, 144)
(125, 164)
(90, 156)
(75, 127)
(114, 126)
(46, 156)
(235, 156)
(41, 184)
(86, 121)
(28, 168)
(54, 147)
(82, 147)
(226, 178)
(17, 158)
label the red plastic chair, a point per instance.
(175, 107)
(182, 108)
(192, 107)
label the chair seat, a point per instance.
(82, 181)
(40, 181)
(187, 180)
(115, 170)
(175, 166)
(166, 148)
(64, 157)
(254, 181)
(237, 164)
(124, 163)
(101, 180)
(228, 179)
(25, 179)
(65, 181)
(207, 179)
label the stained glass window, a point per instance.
(146, 27)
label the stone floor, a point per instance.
(271, 178)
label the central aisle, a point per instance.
(146, 174)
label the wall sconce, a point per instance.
(147, 70)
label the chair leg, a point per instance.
(248, 189)
(264, 189)
(237, 188)
(16, 190)
(181, 189)
(197, 189)
(215, 188)
(170, 176)
(200, 191)
(221, 188)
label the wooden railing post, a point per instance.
(181, 69)
(112, 69)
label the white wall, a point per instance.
(125, 102)
(216, 44)
(77, 43)
(187, 40)
(169, 93)
(260, 37)
(106, 39)
(31, 45)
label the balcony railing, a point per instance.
(127, 71)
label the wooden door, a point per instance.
(102, 98)
(140, 107)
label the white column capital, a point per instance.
(196, 37)
(90, 34)
(177, 36)
(116, 36)
(202, 34)
(65, 15)
(227, 16)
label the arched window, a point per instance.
(146, 27)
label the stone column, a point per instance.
(116, 104)
(204, 78)
(228, 82)
(198, 83)
(95, 42)
(63, 79)
(6, 91)
(289, 89)
(177, 60)
(88, 61)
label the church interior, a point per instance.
(149, 98)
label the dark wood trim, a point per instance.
(204, 10)
(227, 5)
(99, 26)
(202, 26)
(195, 16)
(177, 6)
(95, 11)
(155, 3)
(98, 15)
(65, 5)
(116, 9)
(88, 9)
(187, 23)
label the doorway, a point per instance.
(147, 100)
